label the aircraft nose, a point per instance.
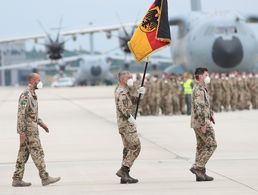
(96, 70)
(227, 53)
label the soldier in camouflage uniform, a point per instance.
(182, 103)
(247, 92)
(175, 94)
(201, 119)
(234, 97)
(166, 99)
(217, 93)
(27, 128)
(145, 102)
(155, 95)
(127, 125)
(226, 92)
(242, 88)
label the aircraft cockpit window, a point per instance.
(225, 30)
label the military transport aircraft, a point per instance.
(221, 41)
(90, 70)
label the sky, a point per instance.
(19, 17)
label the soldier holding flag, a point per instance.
(127, 125)
(153, 33)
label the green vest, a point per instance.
(187, 87)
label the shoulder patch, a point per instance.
(24, 102)
(26, 93)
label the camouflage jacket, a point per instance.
(28, 112)
(124, 106)
(201, 111)
(166, 87)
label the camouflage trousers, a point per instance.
(234, 101)
(217, 103)
(154, 106)
(188, 103)
(254, 99)
(226, 101)
(165, 105)
(132, 148)
(31, 146)
(241, 100)
(175, 104)
(206, 145)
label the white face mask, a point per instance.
(130, 82)
(39, 85)
(207, 80)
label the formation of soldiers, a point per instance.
(228, 92)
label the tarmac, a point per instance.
(85, 149)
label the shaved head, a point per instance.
(33, 80)
(32, 77)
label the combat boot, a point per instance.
(50, 180)
(199, 174)
(123, 172)
(20, 183)
(207, 178)
(131, 180)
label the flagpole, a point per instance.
(140, 95)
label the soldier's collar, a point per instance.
(200, 84)
(32, 91)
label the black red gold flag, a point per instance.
(153, 33)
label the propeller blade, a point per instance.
(123, 28)
(45, 31)
(59, 29)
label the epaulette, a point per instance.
(122, 91)
(25, 92)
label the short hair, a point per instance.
(199, 71)
(122, 73)
(31, 76)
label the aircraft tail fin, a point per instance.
(196, 5)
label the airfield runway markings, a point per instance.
(177, 156)
(159, 153)
(234, 180)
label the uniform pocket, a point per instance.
(127, 129)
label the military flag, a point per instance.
(153, 32)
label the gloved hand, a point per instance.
(141, 90)
(132, 120)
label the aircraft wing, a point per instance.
(36, 64)
(22, 39)
(152, 59)
(96, 29)
(82, 31)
